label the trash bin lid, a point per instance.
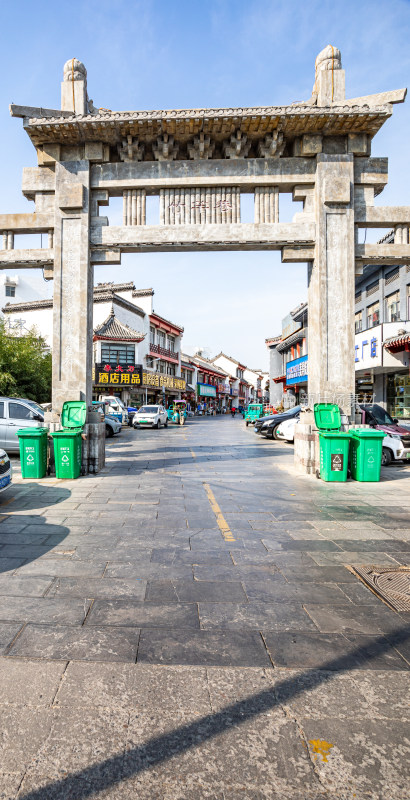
(327, 416)
(74, 413)
(367, 433)
(25, 432)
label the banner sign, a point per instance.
(205, 390)
(117, 375)
(163, 381)
(297, 371)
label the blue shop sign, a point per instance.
(296, 371)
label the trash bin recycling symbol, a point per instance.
(370, 460)
(30, 458)
(336, 462)
(65, 459)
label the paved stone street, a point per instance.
(184, 624)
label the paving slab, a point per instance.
(332, 651)
(127, 611)
(202, 648)
(71, 643)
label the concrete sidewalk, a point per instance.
(186, 624)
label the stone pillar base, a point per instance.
(93, 445)
(306, 454)
(96, 441)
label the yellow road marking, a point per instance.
(220, 519)
(320, 748)
(192, 454)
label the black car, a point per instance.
(267, 425)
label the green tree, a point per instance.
(25, 366)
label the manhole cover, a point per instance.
(392, 584)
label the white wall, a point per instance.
(30, 285)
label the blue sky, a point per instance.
(192, 54)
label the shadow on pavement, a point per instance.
(24, 537)
(99, 777)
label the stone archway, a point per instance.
(198, 161)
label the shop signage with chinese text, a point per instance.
(117, 375)
(297, 371)
(205, 390)
(368, 348)
(159, 381)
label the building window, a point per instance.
(150, 362)
(408, 301)
(118, 353)
(372, 288)
(358, 322)
(170, 369)
(393, 307)
(171, 343)
(373, 315)
(152, 335)
(10, 291)
(358, 296)
(161, 338)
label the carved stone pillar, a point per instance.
(331, 285)
(73, 285)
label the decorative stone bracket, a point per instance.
(237, 146)
(131, 149)
(165, 149)
(201, 147)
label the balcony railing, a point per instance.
(157, 350)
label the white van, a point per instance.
(117, 408)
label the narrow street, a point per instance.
(185, 625)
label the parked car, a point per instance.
(16, 413)
(267, 426)
(117, 408)
(132, 410)
(286, 429)
(393, 450)
(377, 417)
(112, 425)
(154, 416)
(5, 471)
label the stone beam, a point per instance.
(382, 216)
(379, 99)
(26, 223)
(384, 254)
(297, 254)
(371, 172)
(242, 236)
(26, 259)
(37, 179)
(106, 256)
(34, 112)
(246, 173)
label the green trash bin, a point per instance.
(33, 452)
(334, 444)
(67, 442)
(366, 454)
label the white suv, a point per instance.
(151, 415)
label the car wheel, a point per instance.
(108, 432)
(247, 423)
(386, 457)
(156, 425)
(275, 433)
(166, 424)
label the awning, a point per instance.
(282, 379)
(398, 343)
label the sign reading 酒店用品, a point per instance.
(205, 390)
(297, 371)
(117, 374)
